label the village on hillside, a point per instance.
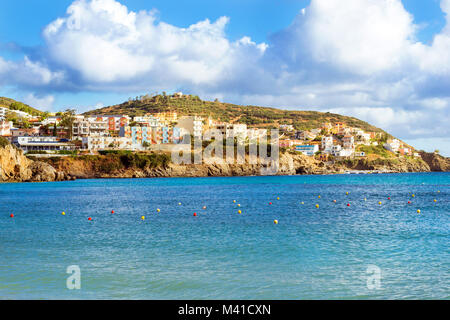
(66, 133)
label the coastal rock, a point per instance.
(290, 163)
(43, 172)
(16, 167)
(436, 162)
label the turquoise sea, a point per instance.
(312, 253)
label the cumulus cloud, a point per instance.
(105, 43)
(28, 73)
(44, 103)
(358, 58)
(358, 36)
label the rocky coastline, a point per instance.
(16, 167)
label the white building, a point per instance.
(101, 143)
(348, 142)
(393, 145)
(327, 143)
(232, 130)
(336, 150)
(3, 112)
(5, 128)
(51, 120)
(148, 120)
(305, 135)
(346, 153)
(192, 124)
(308, 150)
(51, 144)
(21, 114)
(89, 127)
(362, 137)
(315, 131)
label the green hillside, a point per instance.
(251, 115)
(16, 105)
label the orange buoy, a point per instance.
(334, 201)
(204, 207)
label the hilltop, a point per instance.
(263, 117)
(16, 105)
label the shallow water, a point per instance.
(311, 254)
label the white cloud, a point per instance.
(105, 43)
(44, 103)
(28, 73)
(360, 36)
(3, 65)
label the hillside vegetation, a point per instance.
(16, 105)
(253, 116)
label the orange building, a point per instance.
(338, 128)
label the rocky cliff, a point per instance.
(436, 162)
(16, 167)
(289, 164)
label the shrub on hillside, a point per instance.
(4, 142)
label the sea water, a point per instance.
(362, 251)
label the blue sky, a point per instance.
(378, 60)
(22, 21)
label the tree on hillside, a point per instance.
(67, 120)
(17, 120)
(45, 115)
